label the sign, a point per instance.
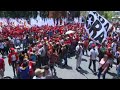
(97, 26)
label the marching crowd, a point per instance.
(33, 53)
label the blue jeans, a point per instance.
(99, 73)
(118, 72)
(65, 59)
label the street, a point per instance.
(70, 72)
(51, 31)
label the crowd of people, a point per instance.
(34, 52)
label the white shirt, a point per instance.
(13, 57)
(12, 41)
(42, 51)
(18, 41)
(93, 54)
(79, 48)
(61, 41)
(114, 45)
(1, 45)
(117, 54)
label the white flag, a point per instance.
(97, 26)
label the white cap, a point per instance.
(79, 42)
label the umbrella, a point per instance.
(118, 31)
(18, 47)
(70, 32)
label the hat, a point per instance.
(40, 45)
(67, 37)
(50, 42)
(39, 71)
(93, 45)
(80, 42)
(57, 43)
(12, 49)
(45, 38)
(109, 47)
(31, 53)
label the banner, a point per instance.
(97, 26)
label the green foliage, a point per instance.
(107, 14)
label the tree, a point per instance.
(107, 14)
(101, 12)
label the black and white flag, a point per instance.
(97, 26)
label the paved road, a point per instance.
(70, 72)
(85, 73)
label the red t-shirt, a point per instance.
(77, 38)
(86, 43)
(109, 45)
(31, 68)
(12, 57)
(109, 54)
(68, 42)
(57, 39)
(109, 38)
(1, 63)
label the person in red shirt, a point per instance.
(2, 67)
(53, 57)
(29, 51)
(77, 37)
(12, 58)
(86, 44)
(110, 56)
(109, 37)
(109, 53)
(109, 43)
(103, 67)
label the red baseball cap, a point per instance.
(40, 45)
(45, 38)
(12, 49)
(93, 45)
